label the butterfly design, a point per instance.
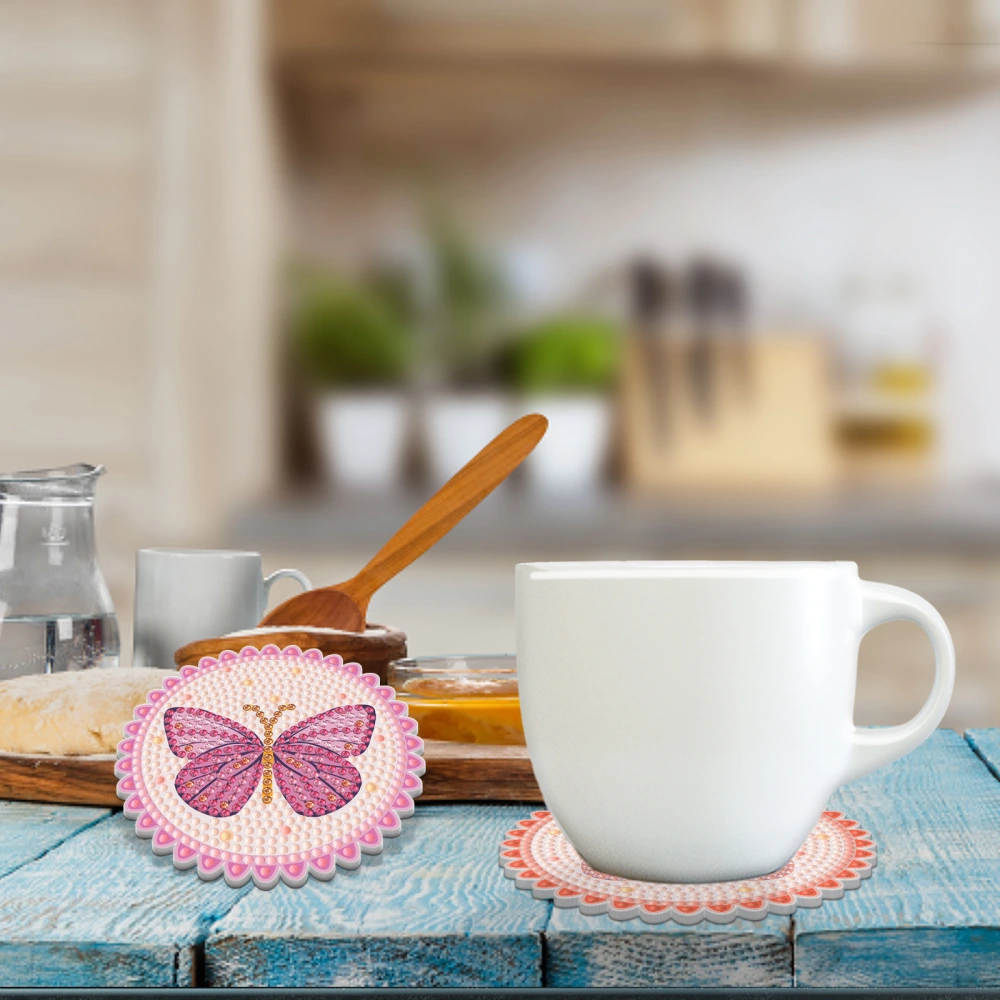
(309, 762)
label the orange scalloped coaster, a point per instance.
(836, 856)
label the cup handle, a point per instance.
(277, 575)
(873, 747)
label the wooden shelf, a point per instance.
(937, 33)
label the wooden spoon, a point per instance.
(344, 605)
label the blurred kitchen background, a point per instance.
(283, 267)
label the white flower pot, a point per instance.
(571, 456)
(363, 438)
(457, 426)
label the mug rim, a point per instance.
(224, 553)
(649, 569)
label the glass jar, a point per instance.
(55, 610)
(887, 411)
(463, 699)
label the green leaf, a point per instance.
(348, 336)
(566, 353)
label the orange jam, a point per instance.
(458, 710)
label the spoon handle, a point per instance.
(466, 489)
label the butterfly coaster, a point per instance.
(836, 856)
(270, 764)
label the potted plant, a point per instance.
(355, 349)
(565, 367)
(468, 408)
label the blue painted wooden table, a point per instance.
(84, 903)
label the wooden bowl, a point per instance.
(374, 648)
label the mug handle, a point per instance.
(277, 575)
(873, 747)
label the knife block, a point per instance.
(771, 431)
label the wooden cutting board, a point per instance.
(456, 772)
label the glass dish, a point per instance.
(462, 699)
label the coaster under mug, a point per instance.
(837, 855)
(270, 764)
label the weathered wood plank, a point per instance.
(99, 910)
(930, 914)
(596, 951)
(27, 831)
(433, 910)
(985, 744)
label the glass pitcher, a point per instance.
(55, 610)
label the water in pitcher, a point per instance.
(43, 644)
(55, 610)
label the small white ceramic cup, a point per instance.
(687, 721)
(187, 594)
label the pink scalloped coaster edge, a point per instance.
(837, 855)
(313, 772)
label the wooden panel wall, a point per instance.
(136, 259)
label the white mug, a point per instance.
(187, 594)
(687, 721)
